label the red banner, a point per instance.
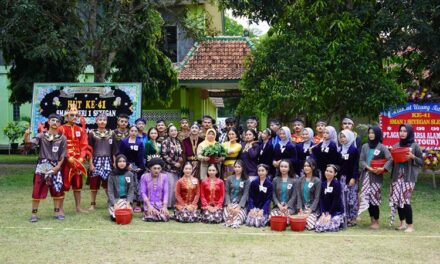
(425, 119)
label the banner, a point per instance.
(425, 119)
(91, 100)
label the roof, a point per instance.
(216, 58)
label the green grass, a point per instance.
(92, 238)
(18, 159)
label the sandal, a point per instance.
(59, 217)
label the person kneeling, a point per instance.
(260, 195)
(187, 197)
(213, 194)
(332, 209)
(120, 187)
(154, 190)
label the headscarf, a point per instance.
(377, 137)
(333, 137)
(308, 143)
(284, 142)
(117, 170)
(205, 142)
(350, 139)
(409, 137)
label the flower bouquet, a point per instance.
(214, 152)
(431, 158)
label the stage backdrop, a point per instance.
(91, 99)
(425, 119)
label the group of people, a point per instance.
(321, 174)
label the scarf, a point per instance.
(284, 142)
(350, 139)
(377, 137)
(308, 143)
(406, 142)
(333, 137)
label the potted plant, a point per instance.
(14, 131)
(214, 152)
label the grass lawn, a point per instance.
(92, 238)
(18, 159)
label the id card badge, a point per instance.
(346, 156)
(329, 189)
(263, 189)
(326, 150)
(55, 149)
(127, 179)
(241, 184)
(310, 185)
(77, 133)
(136, 147)
(110, 141)
(289, 186)
(194, 181)
(376, 152)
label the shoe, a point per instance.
(33, 219)
(59, 217)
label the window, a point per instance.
(16, 112)
(170, 42)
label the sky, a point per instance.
(262, 27)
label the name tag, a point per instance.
(194, 181)
(376, 152)
(261, 152)
(110, 141)
(77, 133)
(263, 189)
(326, 150)
(289, 186)
(241, 184)
(127, 179)
(282, 149)
(329, 190)
(55, 149)
(134, 147)
(346, 156)
(310, 185)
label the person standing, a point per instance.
(249, 153)
(100, 140)
(190, 145)
(77, 150)
(320, 127)
(233, 149)
(184, 129)
(298, 127)
(372, 178)
(349, 174)
(285, 149)
(326, 152)
(52, 151)
(119, 133)
(161, 130)
(303, 148)
(404, 176)
(173, 158)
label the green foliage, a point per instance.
(52, 41)
(321, 59)
(215, 150)
(412, 30)
(15, 130)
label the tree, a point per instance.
(47, 41)
(411, 30)
(321, 59)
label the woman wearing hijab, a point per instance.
(326, 152)
(372, 178)
(154, 191)
(209, 140)
(285, 149)
(120, 187)
(404, 177)
(349, 174)
(303, 148)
